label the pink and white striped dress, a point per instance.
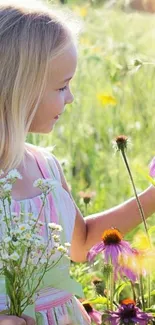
(54, 305)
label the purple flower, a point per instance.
(121, 271)
(127, 313)
(95, 315)
(112, 247)
(152, 168)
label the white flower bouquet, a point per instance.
(25, 255)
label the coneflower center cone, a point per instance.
(111, 236)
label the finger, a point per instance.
(29, 320)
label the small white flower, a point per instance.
(62, 249)
(44, 184)
(28, 236)
(56, 238)
(24, 227)
(13, 175)
(54, 226)
(16, 219)
(68, 257)
(14, 232)
(52, 251)
(14, 256)
(40, 223)
(5, 190)
(7, 187)
(67, 244)
(38, 182)
(59, 228)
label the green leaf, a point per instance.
(120, 288)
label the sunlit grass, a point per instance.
(109, 44)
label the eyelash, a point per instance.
(63, 89)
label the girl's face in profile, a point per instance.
(57, 93)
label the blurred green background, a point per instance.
(114, 90)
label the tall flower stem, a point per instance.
(86, 208)
(134, 188)
(108, 290)
(133, 291)
(142, 291)
(149, 290)
(111, 288)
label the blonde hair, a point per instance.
(30, 36)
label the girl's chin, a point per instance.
(45, 129)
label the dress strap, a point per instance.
(45, 162)
(42, 164)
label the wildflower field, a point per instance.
(114, 90)
(114, 93)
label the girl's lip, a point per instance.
(57, 117)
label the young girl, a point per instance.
(38, 58)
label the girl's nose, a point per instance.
(70, 98)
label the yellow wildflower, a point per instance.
(141, 241)
(82, 12)
(106, 99)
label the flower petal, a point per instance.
(128, 273)
(152, 168)
(111, 253)
(98, 248)
(96, 316)
(125, 247)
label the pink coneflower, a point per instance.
(128, 313)
(152, 168)
(95, 315)
(125, 270)
(87, 196)
(112, 247)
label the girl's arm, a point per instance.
(125, 217)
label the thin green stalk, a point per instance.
(107, 295)
(149, 290)
(86, 208)
(111, 288)
(142, 292)
(133, 291)
(137, 199)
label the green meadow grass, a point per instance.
(109, 43)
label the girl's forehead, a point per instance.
(64, 66)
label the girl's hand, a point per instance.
(13, 320)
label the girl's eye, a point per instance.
(62, 89)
